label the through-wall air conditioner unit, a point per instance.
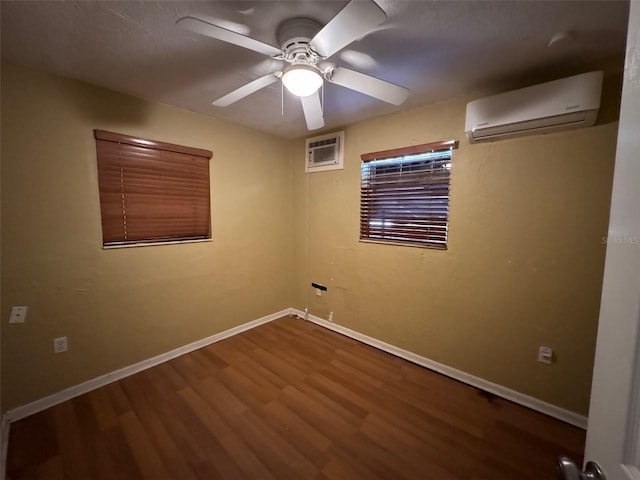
(325, 152)
(571, 102)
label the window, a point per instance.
(404, 195)
(151, 192)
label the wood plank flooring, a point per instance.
(289, 400)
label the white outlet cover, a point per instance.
(59, 344)
(18, 314)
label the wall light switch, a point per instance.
(18, 314)
(545, 355)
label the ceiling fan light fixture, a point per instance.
(302, 80)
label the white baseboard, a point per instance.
(506, 393)
(84, 387)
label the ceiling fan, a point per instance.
(305, 44)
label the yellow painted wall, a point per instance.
(121, 306)
(523, 268)
(525, 259)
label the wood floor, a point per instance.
(289, 400)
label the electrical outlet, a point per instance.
(59, 344)
(18, 314)
(545, 354)
(330, 317)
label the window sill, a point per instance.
(403, 244)
(151, 244)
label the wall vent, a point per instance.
(325, 152)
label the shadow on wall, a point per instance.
(611, 90)
(104, 109)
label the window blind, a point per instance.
(404, 195)
(151, 191)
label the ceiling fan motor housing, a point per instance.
(294, 36)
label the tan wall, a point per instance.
(523, 269)
(121, 306)
(524, 264)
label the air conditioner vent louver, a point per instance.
(325, 152)
(563, 104)
(323, 155)
(320, 143)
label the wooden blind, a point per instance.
(151, 191)
(404, 195)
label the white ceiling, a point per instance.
(437, 49)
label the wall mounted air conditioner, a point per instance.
(325, 152)
(563, 104)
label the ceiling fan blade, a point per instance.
(246, 90)
(374, 87)
(355, 20)
(210, 30)
(313, 111)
